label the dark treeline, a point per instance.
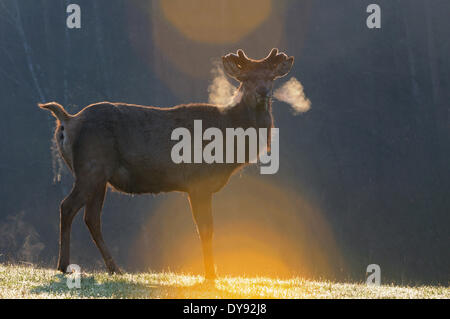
(372, 152)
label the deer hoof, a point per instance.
(210, 276)
(115, 271)
(62, 269)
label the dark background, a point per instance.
(371, 156)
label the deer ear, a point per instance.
(283, 67)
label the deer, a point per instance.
(127, 147)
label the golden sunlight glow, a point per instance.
(176, 56)
(216, 22)
(260, 230)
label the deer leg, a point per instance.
(69, 208)
(92, 218)
(202, 213)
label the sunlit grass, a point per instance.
(30, 282)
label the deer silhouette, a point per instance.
(127, 147)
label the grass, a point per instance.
(17, 281)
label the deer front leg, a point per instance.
(202, 213)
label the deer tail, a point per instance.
(57, 110)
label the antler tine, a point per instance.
(275, 57)
(273, 53)
(242, 57)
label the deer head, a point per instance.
(257, 76)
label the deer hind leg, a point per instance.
(68, 209)
(202, 213)
(92, 218)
